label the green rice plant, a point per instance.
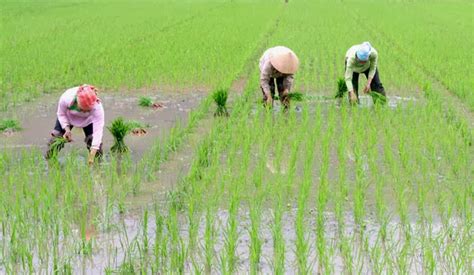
(278, 237)
(231, 235)
(296, 96)
(378, 98)
(220, 98)
(56, 146)
(145, 101)
(209, 240)
(10, 124)
(341, 88)
(119, 129)
(255, 240)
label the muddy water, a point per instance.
(38, 119)
(109, 248)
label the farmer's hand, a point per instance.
(269, 101)
(91, 158)
(352, 97)
(68, 135)
(367, 88)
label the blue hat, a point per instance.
(364, 51)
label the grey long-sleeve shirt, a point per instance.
(267, 71)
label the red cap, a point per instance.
(86, 97)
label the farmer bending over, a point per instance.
(362, 59)
(277, 64)
(80, 107)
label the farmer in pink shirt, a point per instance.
(80, 107)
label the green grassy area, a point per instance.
(324, 189)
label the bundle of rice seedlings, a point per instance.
(296, 96)
(378, 98)
(119, 129)
(220, 98)
(10, 124)
(341, 87)
(56, 146)
(145, 101)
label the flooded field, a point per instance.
(216, 183)
(38, 120)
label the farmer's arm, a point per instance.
(98, 130)
(373, 66)
(348, 77)
(265, 75)
(61, 113)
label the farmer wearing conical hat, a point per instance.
(277, 64)
(362, 58)
(80, 107)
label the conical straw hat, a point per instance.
(284, 60)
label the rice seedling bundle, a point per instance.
(145, 101)
(220, 98)
(119, 130)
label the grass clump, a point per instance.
(341, 87)
(9, 124)
(145, 101)
(119, 129)
(220, 98)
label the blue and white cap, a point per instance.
(363, 52)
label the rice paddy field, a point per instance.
(325, 188)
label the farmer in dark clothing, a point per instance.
(362, 59)
(277, 64)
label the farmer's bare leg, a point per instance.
(88, 131)
(284, 97)
(57, 132)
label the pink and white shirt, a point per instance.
(71, 117)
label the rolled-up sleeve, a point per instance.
(348, 75)
(373, 64)
(98, 127)
(61, 113)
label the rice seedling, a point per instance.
(296, 96)
(56, 146)
(341, 88)
(220, 98)
(145, 101)
(119, 130)
(378, 98)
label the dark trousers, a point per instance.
(375, 85)
(58, 131)
(285, 100)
